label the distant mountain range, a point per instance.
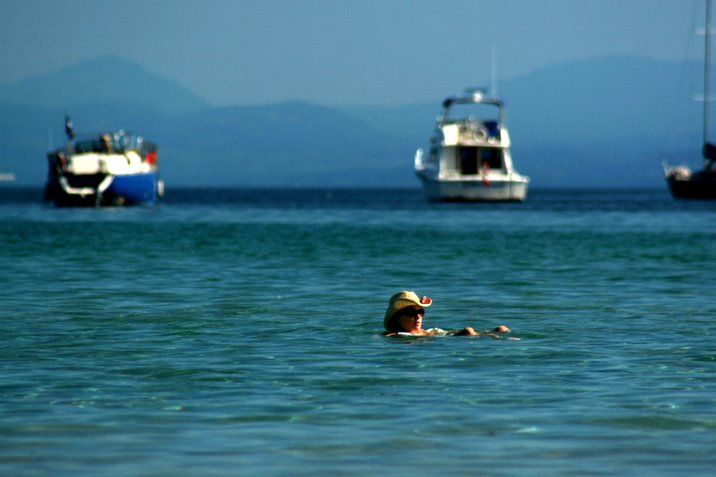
(605, 122)
(103, 80)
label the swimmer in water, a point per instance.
(405, 316)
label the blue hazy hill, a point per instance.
(595, 123)
(286, 144)
(105, 79)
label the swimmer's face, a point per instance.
(411, 319)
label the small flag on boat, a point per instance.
(68, 128)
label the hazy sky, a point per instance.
(338, 51)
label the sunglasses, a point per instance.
(413, 311)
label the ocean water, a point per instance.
(237, 332)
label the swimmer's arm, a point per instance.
(469, 331)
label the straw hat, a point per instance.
(404, 299)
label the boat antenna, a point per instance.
(493, 74)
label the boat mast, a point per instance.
(707, 71)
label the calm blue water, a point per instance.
(237, 333)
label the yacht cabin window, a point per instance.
(471, 159)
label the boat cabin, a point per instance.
(468, 160)
(116, 143)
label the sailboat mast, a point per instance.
(707, 71)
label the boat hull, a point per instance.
(474, 190)
(700, 185)
(77, 191)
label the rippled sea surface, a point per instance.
(237, 332)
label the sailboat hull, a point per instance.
(700, 185)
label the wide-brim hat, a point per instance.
(404, 299)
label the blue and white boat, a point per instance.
(469, 155)
(108, 169)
